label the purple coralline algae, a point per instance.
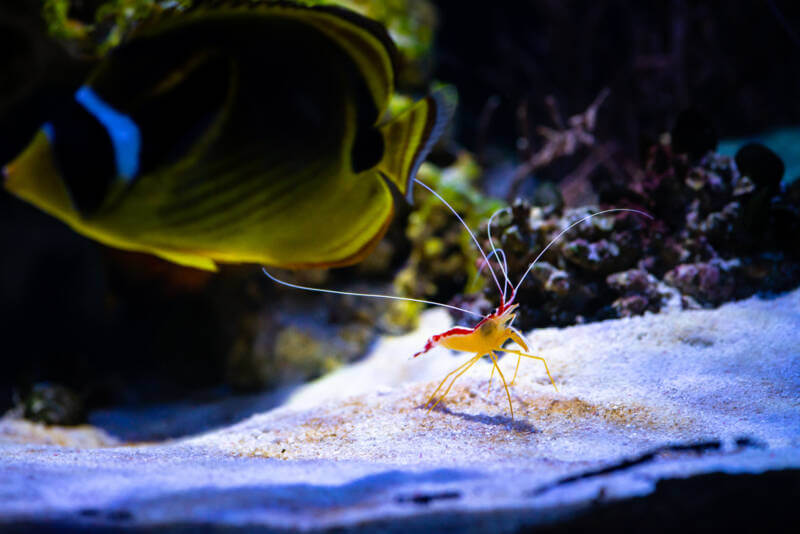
(723, 229)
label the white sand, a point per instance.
(355, 446)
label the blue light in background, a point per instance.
(784, 142)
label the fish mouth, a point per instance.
(5, 172)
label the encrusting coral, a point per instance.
(724, 228)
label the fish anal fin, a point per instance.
(409, 137)
(354, 258)
(367, 249)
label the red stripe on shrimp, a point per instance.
(434, 340)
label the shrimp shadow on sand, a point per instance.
(516, 425)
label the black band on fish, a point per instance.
(368, 149)
(84, 155)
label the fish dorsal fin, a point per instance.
(368, 43)
(364, 40)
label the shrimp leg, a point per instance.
(521, 354)
(491, 375)
(457, 369)
(516, 370)
(461, 369)
(494, 360)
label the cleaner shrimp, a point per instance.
(493, 331)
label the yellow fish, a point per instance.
(243, 133)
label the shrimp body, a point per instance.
(491, 333)
(484, 339)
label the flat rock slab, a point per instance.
(642, 403)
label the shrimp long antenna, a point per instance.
(501, 255)
(507, 282)
(474, 239)
(352, 294)
(567, 229)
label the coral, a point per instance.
(568, 284)
(724, 229)
(721, 218)
(95, 26)
(639, 292)
(711, 282)
(51, 404)
(289, 336)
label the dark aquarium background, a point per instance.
(687, 110)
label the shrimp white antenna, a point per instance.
(474, 239)
(494, 251)
(352, 294)
(568, 228)
(501, 255)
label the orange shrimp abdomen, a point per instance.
(489, 336)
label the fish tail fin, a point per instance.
(409, 137)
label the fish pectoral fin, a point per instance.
(409, 137)
(187, 260)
